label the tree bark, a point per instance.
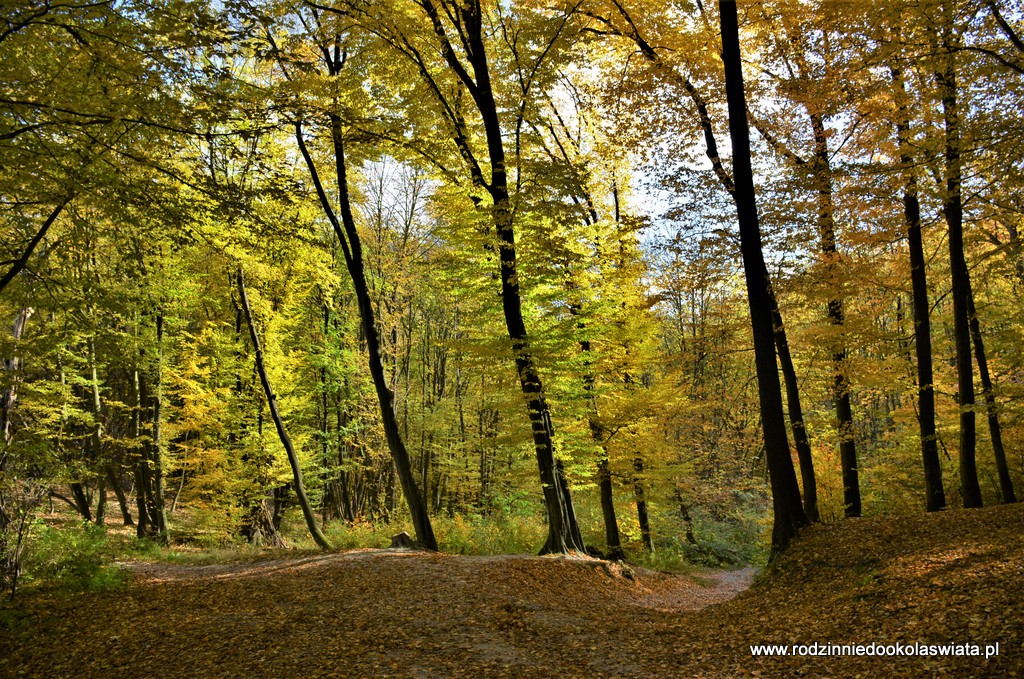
(351, 246)
(563, 530)
(611, 524)
(796, 416)
(953, 211)
(157, 513)
(726, 180)
(122, 501)
(598, 435)
(95, 437)
(935, 495)
(789, 514)
(286, 441)
(10, 394)
(822, 178)
(143, 528)
(642, 515)
(995, 431)
(81, 500)
(468, 21)
(101, 501)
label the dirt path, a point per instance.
(376, 613)
(951, 577)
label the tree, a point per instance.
(952, 210)
(789, 513)
(935, 496)
(456, 31)
(327, 41)
(282, 432)
(674, 74)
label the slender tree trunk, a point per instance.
(684, 512)
(563, 530)
(122, 501)
(10, 395)
(935, 495)
(953, 210)
(995, 431)
(469, 23)
(642, 515)
(348, 238)
(598, 436)
(101, 501)
(293, 458)
(796, 415)
(788, 510)
(95, 438)
(144, 526)
(721, 173)
(611, 524)
(81, 500)
(157, 513)
(822, 178)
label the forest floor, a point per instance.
(955, 577)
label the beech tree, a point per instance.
(789, 513)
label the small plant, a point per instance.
(496, 534)
(71, 558)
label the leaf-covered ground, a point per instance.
(954, 577)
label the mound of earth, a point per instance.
(954, 577)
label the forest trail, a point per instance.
(371, 613)
(952, 577)
(650, 589)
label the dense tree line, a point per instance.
(399, 260)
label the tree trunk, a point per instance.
(81, 500)
(101, 501)
(293, 458)
(598, 436)
(935, 495)
(642, 516)
(684, 512)
(796, 416)
(122, 501)
(789, 514)
(144, 526)
(1005, 483)
(348, 238)
(95, 438)
(953, 211)
(157, 513)
(563, 530)
(10, 395)
(611, 525)
(468, 22)
(258, 527)
(822, 178)
(728, 183)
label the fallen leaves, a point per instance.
(952, 577)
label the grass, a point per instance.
(66, 555)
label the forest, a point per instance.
(659, 281)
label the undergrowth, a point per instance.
(76, 558)
(71, 556)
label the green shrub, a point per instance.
(72, 558)
(497, 534)
(357, 535)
